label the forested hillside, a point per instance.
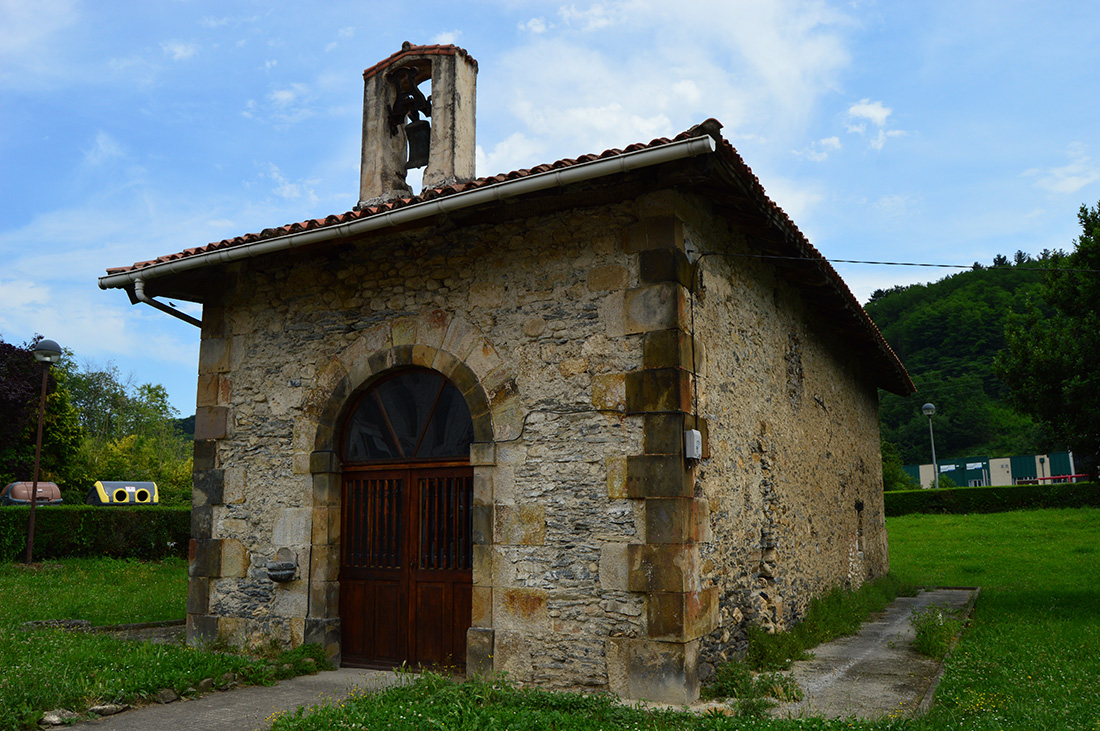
(947, 334)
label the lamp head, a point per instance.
(47, 351)
(928, 409)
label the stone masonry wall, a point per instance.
(539, 313)
(793, 479)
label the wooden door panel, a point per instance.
(390, 644)
(430, 629)
(406, 569)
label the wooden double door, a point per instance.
(406, 565)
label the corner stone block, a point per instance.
(324, 564)
(481, 531)
(483, 565)
(201, 629)
(205, 454)
(204, 558)
(211, 422)
(209, 487)
(654, 307)
(483, 485)
(522, 610)
(326, 489)
(664, 672)
(614, 567)
(680, 617)
(675, 520)
(326, 633)
(479, 651)
(655, 232)
(657, 568)
(214, 355)
(213, 390)
(663, 434)
(665, 265)
(672, 349)
(659, 389)
(324, 599)
(234, 559)
(658, 475)
(483, 454)
(482, 608)
(523, 525)
(511, 655)
(198, 595)
(202, 522)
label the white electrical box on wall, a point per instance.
(693, 444)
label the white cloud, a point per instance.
(757, 67)
(103, 149)
(447, 38)
(513, 153)
(1071, 177)
(896, 206)
(178, 50)
(593, 18)
(288, 190)
(864, 111)
(535, 25)
(342, 34)
(819, 151)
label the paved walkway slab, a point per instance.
(876, 672)
(248, 708)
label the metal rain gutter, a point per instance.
(502, 191)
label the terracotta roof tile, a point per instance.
(408, 49)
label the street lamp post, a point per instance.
(928, 410)
(46, 352)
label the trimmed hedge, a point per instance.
(963, 500)
(62, 531)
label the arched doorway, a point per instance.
(407, 498)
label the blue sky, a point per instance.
(942, 132)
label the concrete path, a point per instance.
(247, 708)
(874, 673)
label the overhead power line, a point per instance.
(1007, 267)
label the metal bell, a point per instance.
(419, 134)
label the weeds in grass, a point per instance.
(937, 630)
(755, 693)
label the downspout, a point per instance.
(139, 292)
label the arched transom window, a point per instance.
(411, 416)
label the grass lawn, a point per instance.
(1030, 660)
(49, 668)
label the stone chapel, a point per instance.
(582, 422)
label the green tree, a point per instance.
(131, 433)
(20, 391)
(894, 476)
(1050, 363)
(947, 334)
